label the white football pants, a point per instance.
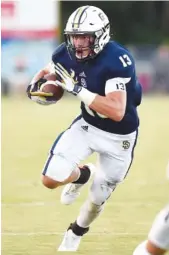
(115, 153)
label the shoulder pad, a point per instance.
(60, 50)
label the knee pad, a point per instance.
(100, 191)
(58, 167)
(141, 249)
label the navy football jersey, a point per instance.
(113, 61)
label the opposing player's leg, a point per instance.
(158, 238)
(148, 248)
(66, 153)
(112, 170)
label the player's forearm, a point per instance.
(47, 69)
(112, 108)
(108, 107)
(39, 75)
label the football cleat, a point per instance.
(70, 242)
(72, 237)
(71, 191)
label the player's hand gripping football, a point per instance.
(68, 81)
(35, 94)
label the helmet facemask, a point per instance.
(96, 43)
(80, 45)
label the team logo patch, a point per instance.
(126, 145)
(102, 17)
(85, 128)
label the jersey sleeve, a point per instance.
(123, 65)
(120, 73)
(138, 93)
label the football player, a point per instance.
(101, 74)
(158, 238)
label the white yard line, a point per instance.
(60, 234)
(32, 204)
(121, 204)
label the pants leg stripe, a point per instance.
(132, 153)
(75, 120)
(51, 154)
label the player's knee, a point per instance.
(141, 249)
(100, 193)
(49, 183)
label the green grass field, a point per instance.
(33, 220)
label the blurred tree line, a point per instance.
(144, 22)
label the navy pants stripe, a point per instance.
(132, 154)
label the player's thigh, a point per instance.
(116, 155)
(115, 166)
(159, 233)
(68, 150)
(112, 169)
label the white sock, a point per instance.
(88, 213)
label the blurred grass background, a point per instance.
(33, 220)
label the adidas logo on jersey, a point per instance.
(82, 74)
(85, 128)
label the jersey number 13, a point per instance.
(126, 61)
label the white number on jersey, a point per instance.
(120, 86)
(126, 61)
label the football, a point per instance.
(52, 87)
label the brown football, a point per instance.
(53, 88)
